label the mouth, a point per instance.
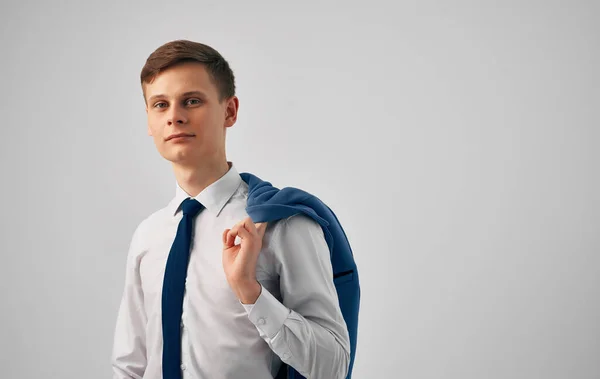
(179, 136)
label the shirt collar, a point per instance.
(215, 196)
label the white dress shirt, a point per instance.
(296, 319)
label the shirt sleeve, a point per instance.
(306, 329)
(129, 346)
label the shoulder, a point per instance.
(147, 227)
(297, 226)
(154, 221)
(298, 244)
(301, 221)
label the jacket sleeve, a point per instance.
(306, 329)
(129, 346)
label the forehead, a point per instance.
(184, 77)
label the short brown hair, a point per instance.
(180, 51)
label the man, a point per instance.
(247, 306)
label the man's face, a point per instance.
(183, 99)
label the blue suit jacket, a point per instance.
(267, 203)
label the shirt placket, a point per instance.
(185, 355)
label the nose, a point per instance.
(177, 115)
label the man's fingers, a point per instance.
(226, 237)
(245, 229)
(257, 229)
(237, 230)
(229, 237)
(249, 225)
(244, 233)
(233, 232)
(261, 227)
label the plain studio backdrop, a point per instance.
(456, 141)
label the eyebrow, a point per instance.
(189, 93)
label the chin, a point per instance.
(182, 157)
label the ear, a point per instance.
(231, 111)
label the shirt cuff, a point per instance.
(248, 307)
(267, 313)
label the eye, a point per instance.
(196, 101)
(159, 103)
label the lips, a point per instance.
(179, 135)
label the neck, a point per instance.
(194, 180)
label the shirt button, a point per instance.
(261, 321)
(285, 356)
(183, 367)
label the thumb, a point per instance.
(261, 228)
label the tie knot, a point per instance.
(191, 207)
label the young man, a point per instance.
(246, 307)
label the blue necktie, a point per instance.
(173, 288)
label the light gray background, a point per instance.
(456, 141)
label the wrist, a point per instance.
(249, 292)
